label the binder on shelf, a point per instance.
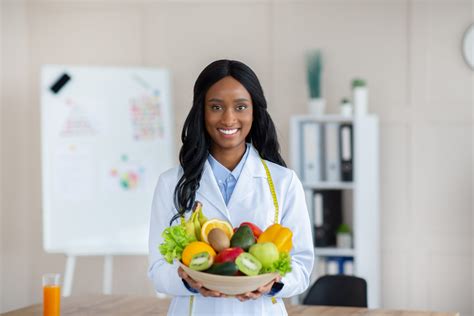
(327, 207)
(332, 157)
(348, 266)
(318, 209)
(322, 230)
(311, 152)
(321, 268)
(340, 265)
(332, 266)
(347, 152)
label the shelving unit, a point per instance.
(329, 186)
(360, 197)
(334, 252)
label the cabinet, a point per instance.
(360, 197)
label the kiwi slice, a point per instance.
(201, 261)
(248, 264)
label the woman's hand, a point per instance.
(258, 292)
(198, 286)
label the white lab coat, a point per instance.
(251, 201)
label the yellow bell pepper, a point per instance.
(279, 235)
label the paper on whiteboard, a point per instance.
(123, 176)
(146, 117)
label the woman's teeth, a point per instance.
(228, 131)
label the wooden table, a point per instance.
(112, 305)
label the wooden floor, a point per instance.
(112, 305)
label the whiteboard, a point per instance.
(106, 137)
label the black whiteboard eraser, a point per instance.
(59, 84)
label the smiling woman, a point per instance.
(230, 161)
(227, 96)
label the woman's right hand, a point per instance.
(198, 286)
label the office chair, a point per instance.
(338, 290)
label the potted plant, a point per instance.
(343, 236)
(360, 96)
(314, 66)
(346, 107)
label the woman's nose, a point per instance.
(228, 118)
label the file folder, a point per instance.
(311, 152)
(332, 159)
(346, 151)
(327, 206)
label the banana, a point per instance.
(194, 224)
(197, 227)
(191, 218)
(190, 226)
(194, 219)
(202, 217)
(196, 207)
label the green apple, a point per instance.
(266, 252)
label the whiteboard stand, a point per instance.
(108, 271)
(71, 266)
(69, 274)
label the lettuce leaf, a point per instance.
(282, 265)
(175, 239)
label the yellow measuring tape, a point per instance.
(275, 221)
(272, 190)
(275, 201)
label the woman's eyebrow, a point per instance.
(220, 100)
(214, 100)
(241, 100)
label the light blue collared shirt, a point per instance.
(226, 179)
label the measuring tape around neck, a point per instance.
(272, 190)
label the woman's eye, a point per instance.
(216, 107)
(241, 107)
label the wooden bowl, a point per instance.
(229, 285)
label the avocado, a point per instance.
(225, 268)
(243, 238)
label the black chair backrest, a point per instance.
(338, 290)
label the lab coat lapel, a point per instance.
(252, 169)
(210, 190)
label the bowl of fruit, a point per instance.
(226, 259)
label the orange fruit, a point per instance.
(193, 248)
(216, 223)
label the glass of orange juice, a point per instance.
(51, 294)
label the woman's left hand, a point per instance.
(258, 292)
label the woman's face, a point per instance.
(228, 114)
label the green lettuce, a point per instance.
(175, 239)
(282, 265)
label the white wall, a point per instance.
(408, 50)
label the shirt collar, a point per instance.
(222, 173)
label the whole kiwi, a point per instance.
(218, 239)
